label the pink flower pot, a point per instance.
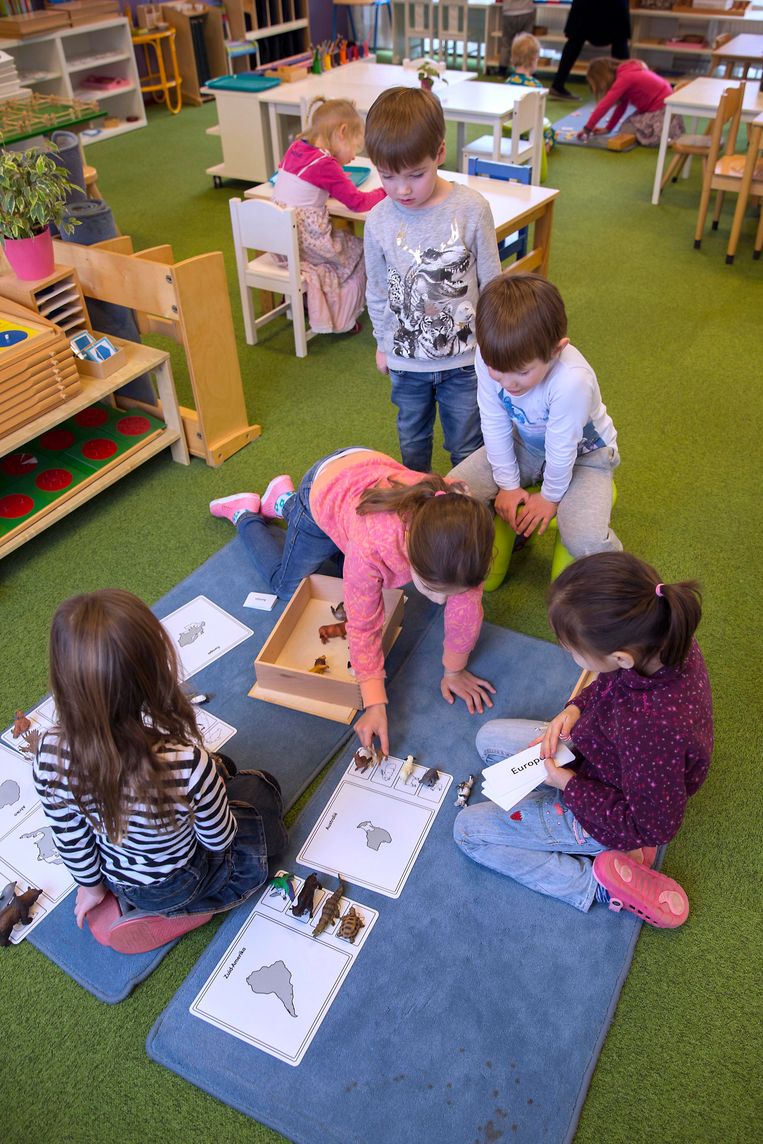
(31, 257)
(427, 83)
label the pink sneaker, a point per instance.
(632, 886)
(137, 932)
(276, 494)
(229, 507)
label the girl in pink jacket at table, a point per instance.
(392, 526)
(311, 170)
(616, 84)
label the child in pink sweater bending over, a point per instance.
(618, 83)
(392, 526)
(311, 171)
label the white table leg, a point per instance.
(661, 154)
(497, 136)
(460, 142)
(275, 135)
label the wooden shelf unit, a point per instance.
(280, 28)
(56, 62)
(140, 360)
(650, 28)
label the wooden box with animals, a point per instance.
(304, 663)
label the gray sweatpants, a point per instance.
(584, 510)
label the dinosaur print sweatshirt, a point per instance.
(425, 269)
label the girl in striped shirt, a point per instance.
(137, 805)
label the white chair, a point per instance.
(524, 145)
(418, 27)
(260, 225)
(453, 29)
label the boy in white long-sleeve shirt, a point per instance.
(430, 247)
(543, 420)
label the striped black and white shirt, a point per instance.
(147, 853)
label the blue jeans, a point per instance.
(213, 882)
(417, 396)
(283, 559)
(539, 842)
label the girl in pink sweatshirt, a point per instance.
(618, 83)
(392, 526)
(310, 172)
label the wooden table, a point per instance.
(754, 146)
(700, 99)
(513, 207)
(746, 50)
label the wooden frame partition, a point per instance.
(187, 301)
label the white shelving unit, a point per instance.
(651, 27)
(56, 63)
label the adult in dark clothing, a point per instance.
(598, 22)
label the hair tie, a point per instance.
(441, 493)
(658, 590)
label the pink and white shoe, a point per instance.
(231, 507)
(275, 496)
(137, 931)
(633, 886)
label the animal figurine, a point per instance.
(339, 612)
(284, 885)
(407, 768)
(463, 791)
(350, 925)
(363, 759)
(306, 898)
(16, 910)
(320, 666)
(30, 742)
(20, 724)
(332, 632)
(430, 777)
(330, 911)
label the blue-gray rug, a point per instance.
(476, 1009)
(567, 129)
(294, 746)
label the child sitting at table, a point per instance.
(525, 55)
(618, 83)
(430, 248)
(310, 171)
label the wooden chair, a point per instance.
(752, 183)
(723, 169)
(453, 29)
(511, 173)
(262, 226)
(683, 148)
(418, 28)
(524, 145)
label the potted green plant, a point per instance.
(33, 189)
(428, 72)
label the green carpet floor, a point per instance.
(675, 338)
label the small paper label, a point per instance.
(262, 600)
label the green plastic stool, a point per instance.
(504, 547)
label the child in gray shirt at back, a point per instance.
(430, 247)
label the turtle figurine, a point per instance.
(350, 925)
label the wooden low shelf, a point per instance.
(139, 360)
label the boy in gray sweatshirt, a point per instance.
(430, 248)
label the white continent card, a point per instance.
(276, 981)
(375, 824)
(202, 632)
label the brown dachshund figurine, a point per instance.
(332, 632)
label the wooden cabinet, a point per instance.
(280, 28)
(59, 62)
(656, 36)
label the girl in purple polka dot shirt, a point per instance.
(642, 735)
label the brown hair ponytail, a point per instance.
(450, 534)
(612, 601)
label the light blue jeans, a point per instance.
(539, 842)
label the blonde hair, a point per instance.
(525, 51)
(326, 116)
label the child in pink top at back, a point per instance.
(618, 83)
(392, 526)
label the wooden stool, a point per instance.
(164, 88)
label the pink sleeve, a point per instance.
(463, 620)
(617, 94)
(364, 603)
(329, 176)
